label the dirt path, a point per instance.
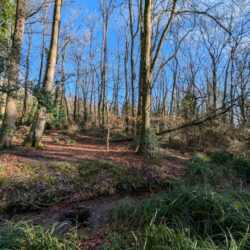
(59, 147)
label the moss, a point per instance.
(38, 144)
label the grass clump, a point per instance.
(239, 166)
(22, 235)
(165, 238)
(242, 168)
(188, 218)
(198, 169)
(220, 169)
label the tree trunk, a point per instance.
(62, 106)
(139, 109)
(9, 123)
(75, 112)
(146, 80)
(103, 71)
(214, 84)
(49, 75)
(126, 106)
(2, 102)
(42, 47)
(26, 80)
(225, 91)
(132, 66)
(173, 94)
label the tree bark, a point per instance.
(132, 65)
(146, 79)
(9, 123)
(126, 106)
(139, 108)
(26, 80)
(49, 75)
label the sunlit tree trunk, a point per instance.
(132, 65)
(62, 106)
(104, 64)
(26, 80)
(44, 26)
(49, 75)
(147, 65)
(9, 123)
(146, 78)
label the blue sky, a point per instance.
(88, 7)
(85, 8)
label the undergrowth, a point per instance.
(44, 184)
(22, 235)
(186, 218)
(220, 169)
(209, 209)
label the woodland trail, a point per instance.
(62, 148)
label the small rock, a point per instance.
(79, 215)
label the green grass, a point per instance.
(22, 235)
(185, 218)
(219, 169)
(163, 237)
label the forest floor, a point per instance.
(60, 146)
(73, 194)
(75, 176)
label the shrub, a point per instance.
(220, 169)
(242, 168)
(198, 170)
(221, 157)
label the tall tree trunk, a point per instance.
(232, 90)
(9, 123)
(173, 94)
(62, 106)
(26, 80)
(139, 109)
(224, 99)
(214, 84)
(103, 70)
(146, 79)
(49, 75)
(132, 66)
(75, 117)
(126, 106)
(42, 47)
(2, 102)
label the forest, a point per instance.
(124, 124)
